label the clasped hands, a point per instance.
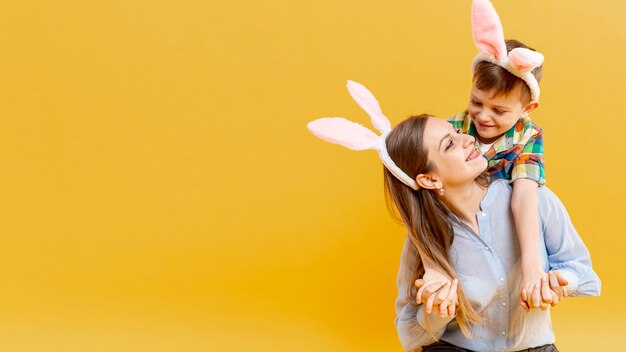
(439, 293)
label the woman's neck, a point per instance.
(464, 202)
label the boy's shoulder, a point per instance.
(529, 123)
(524, 129)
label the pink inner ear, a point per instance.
(524, 60)
(368, 102)
(487, 29)
(346, 133)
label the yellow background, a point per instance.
(160, 192)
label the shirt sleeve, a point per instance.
(460, 121)
(529, 164)
(410, 319)
(566, 251)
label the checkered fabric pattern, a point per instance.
(517, 154)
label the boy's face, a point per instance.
(494, 115)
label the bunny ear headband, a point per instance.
(489, 38)
(355, 136)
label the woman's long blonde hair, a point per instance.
(422, 212)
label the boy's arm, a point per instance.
(528, 174)
(525, 212)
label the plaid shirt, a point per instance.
(517, 154)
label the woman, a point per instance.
(464, 225)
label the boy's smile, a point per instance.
(494, 115)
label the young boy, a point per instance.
(505, 91)
(498, 116)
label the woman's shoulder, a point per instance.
(500, 186)
(548, 202)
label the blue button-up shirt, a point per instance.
(488, 268)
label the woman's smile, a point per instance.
(473, 155)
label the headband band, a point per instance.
(489, 39)
(338, 130)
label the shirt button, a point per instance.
(483, 214)
(503, 333)
(502, 279)
(504, 303)
(487, 248)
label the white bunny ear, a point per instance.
(525, 60)
(487, 30)
(346, 133)
(368, 102)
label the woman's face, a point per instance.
(454, 155)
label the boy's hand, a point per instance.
(548, 292)
(430, 279)
(534, 281)
(440, 297)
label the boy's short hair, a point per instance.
(488, 76)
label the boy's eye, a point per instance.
(498, 111)
(477, 103)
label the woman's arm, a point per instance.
(410, 317)
(566, 251)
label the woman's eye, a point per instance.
(450, 144)
(458, 131)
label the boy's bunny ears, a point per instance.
(489, 38)
(355, 136)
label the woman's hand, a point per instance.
(439, 296)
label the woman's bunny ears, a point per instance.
(489, 39)
(355, 136)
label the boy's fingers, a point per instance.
(555, 298)
(451, 310)
(524, 292)
(443, 308)
(535, 297)
(453, 304)
(425, 291)
(449, 300)
(419, 283)
(453, 288)
(554, 284)
(443, 293)
(545, 290)
(429, 303)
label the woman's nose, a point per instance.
(469, 140)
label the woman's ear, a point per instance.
(428, 181)
(530, 107)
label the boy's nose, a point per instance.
(482, 117)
